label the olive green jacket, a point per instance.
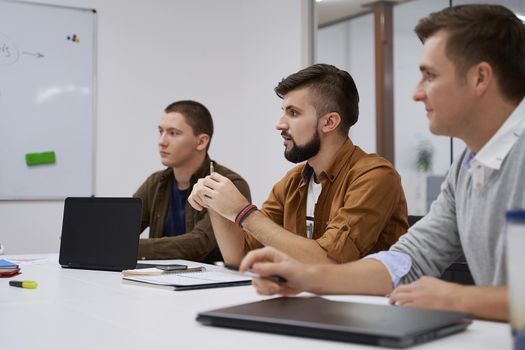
(198, 243)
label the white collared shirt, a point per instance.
(493, 153)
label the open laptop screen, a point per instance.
(100, 233)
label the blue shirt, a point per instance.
(175, 221)
(398, 264)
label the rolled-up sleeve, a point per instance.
(364, 222)
(398, 264)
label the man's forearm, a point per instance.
(229, 238)
(270, 234)
(484, 302)
(368, 277)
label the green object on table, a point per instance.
(40, 158)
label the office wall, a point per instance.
(225, 54)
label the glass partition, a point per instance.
(421, 158)
(349, 45)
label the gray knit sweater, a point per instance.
(468, 219)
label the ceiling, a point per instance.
(332, 11)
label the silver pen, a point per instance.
(212, 169)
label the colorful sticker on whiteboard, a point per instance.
(42, 158)
(74, 38)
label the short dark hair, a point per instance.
(482, 33)
(196, 115)
(333, 90)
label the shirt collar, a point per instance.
(203, 171)
(493, 153)
(345, 151)
(307, 173)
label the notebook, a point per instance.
(181, 280)
(100, 233)
(8, 268)
(383, 325)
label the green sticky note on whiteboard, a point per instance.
(40, 158)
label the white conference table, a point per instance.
(81, 309)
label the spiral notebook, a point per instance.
(8, 268)
(180, 280)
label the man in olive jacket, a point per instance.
(177, 231)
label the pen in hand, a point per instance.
(274, 278)
(212, 169)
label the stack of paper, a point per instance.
(8, 269)
(154, 271)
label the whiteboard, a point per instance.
(47, 101)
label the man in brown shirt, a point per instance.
(177, 231)
(338, 206)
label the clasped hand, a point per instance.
(427, 292)
(218, 193)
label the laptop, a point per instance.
(100, 233)
(383, 325)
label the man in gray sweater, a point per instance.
(472, 85)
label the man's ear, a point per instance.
(482, 76)
(330, 122)
(204, 139)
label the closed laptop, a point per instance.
(100, 233)
(383, 325)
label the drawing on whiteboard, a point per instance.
(35, 54)
(8, 51)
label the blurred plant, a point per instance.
(425, 153)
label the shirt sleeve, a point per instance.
(361, 224)
(142, 193)
(433, 242)
(193, 245)
(397, 264)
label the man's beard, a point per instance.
(298, 154)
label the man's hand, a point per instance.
(267, 262)
(218, 193)
(197, 197)
(428, 292)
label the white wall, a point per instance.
(225, 54)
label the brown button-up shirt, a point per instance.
(361, 208)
